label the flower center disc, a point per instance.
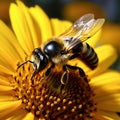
(47, 98)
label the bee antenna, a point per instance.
(24, 63)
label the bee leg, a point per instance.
(34, 72)
(81, 71)
(65, 75)
(49, 69)
(43, 77)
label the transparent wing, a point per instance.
(84, 27)
(81, 30)
(89, 29)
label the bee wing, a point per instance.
(82, 29)
(89, 29)
(78, 25)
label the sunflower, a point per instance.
(97, 96)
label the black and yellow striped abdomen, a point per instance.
(88, 55)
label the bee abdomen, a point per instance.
(89, 56)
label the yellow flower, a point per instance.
(22, 98)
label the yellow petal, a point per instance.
(5, 88)
(10, 50)
(9, 43)
(42, 22)
(18, 115)
(65, 24)
(109, 101)
(23, 26)
(110, 77)
(5, 69)
(59, 26)
(106, 95)
(92, 41)
(4, 97)
(98, 117)
(31, 27)
(107, 55)
(8, 108)
(7, 62)
(109, 115)
(107, 90)
(4, 81)
(29, 116)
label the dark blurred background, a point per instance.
(69, 8)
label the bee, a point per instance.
(67, 46)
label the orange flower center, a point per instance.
(50, 99)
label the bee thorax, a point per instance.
(60, 60)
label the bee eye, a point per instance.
(52, 48)
(39, 59)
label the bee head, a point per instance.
(39, 61)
